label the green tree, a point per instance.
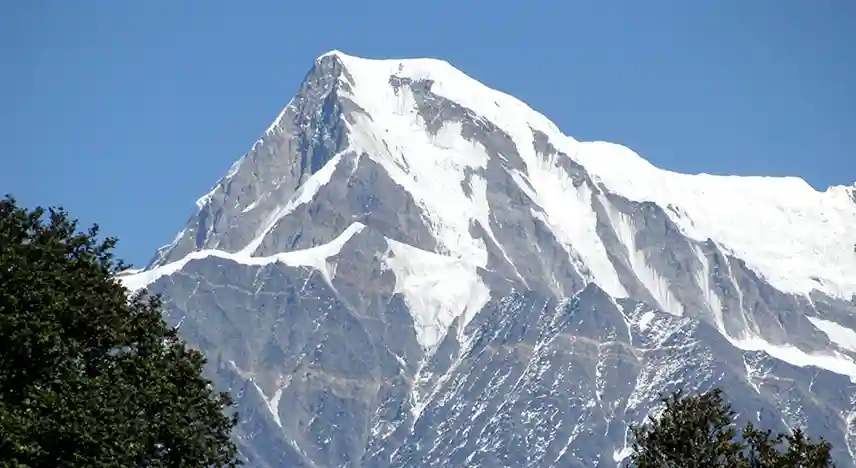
(88, 376)
(794, 450)
(700, 431)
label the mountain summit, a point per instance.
(410, 269)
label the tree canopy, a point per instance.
(699, 431)
(88, 376)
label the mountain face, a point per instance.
(411, 269)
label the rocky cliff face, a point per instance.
(411, 269)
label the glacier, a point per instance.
(410, 268)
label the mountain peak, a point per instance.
(460, 158)
(390, 108)
(407, 251)
(357, 61)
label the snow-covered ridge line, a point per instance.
(833, 361)
(797, 238)
(302, 195)
(481, 98)
(437, 288)
(315, 257)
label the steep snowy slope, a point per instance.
(425, 271)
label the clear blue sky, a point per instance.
(125, 112)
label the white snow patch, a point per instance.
(838, 334)
(568, 212)
(619, 455)
(436, 288)
(478, 186)
(315, 257)
(645, 320)
(799, 239)
(250, 207)
(235, 167)
(272, 403)
(129, 272)
(833, 362)
(431, 168)
(204, 199)
(711, 298)
(177, 238)
(653, 282)
(750, 371)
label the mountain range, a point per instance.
(412, 269)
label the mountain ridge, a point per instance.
(632, 163)
(430, 214)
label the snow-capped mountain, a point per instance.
(412, 269)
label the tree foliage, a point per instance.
(700, 432)
(89, 377)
